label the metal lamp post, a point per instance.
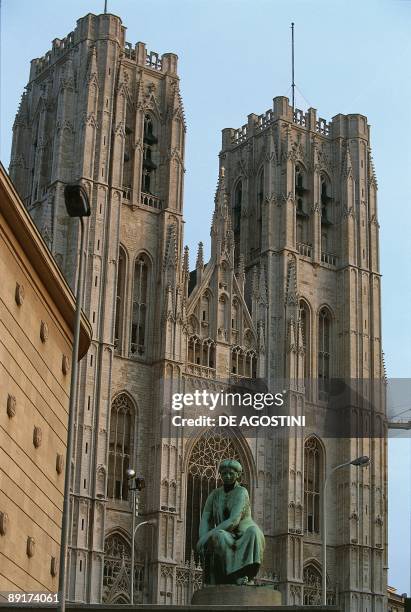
(77, 205)
(138, 484)
(359, 462)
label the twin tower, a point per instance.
(291, 292)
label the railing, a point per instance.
(240, 135)
(201, 371)
(153, 60)
(304, 249)
(152, 201)
(127, 193)
(329, 258)
(265, 120)
(322, 127)
(299, 117)
(136, 349)
(129, 52)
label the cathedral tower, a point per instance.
(302, 195)
(100, 111)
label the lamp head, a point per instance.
(130, 473)
(76, 200)
(361, 461)
(140, 483)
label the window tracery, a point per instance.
(324, 349)
(313, 467)
(116, 572)
(118, 327)
(243, 362)
(305, 330)
(301, 207)
(313, 587)
(201, 351)
(139, 313)
(149, 154)
(121, 440)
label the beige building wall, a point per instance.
(36, 334)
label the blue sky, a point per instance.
(234, 58)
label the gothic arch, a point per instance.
(237, 205)
(305, 315)
(314, 474)
(121, 293)
(260, 192)
(122, 442)
(312, 576)
(117, 568)
(141, 297)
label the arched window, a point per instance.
(203, 477)
(128, 149)
(324, 349)
(201, 352)
(117, 568)
(301, 211)
(149, 157)
(139, 314)
(237, 204)
(312, 585)
(305, 330)
(120, 446)
(260, 199)
(325, 199)
(313, 469)
(238, 198)
(243, 362)
(205, 309)
(121, 272)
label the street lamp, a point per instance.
(139, 484)
(77, 205)
(358, 462)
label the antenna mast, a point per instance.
(105, 6)
(292, 64)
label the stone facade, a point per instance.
(37, 320)
(291, 293)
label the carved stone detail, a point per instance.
(53, 566)
(19, 294)
(59, 463)
(44, 331)
(37, 436)
(11, 406)
(31, 546)
(4, 522)
(65, 365)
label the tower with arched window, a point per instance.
(310, 185)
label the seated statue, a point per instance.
(231, 545)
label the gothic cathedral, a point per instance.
(291, 292)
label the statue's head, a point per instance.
(230, 471)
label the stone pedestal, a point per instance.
(231, 595)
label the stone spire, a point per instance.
(222, 236)
(347, 162)
(186, 270)
(200, 262)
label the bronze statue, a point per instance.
(231, 545)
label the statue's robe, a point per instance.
(230, 543)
